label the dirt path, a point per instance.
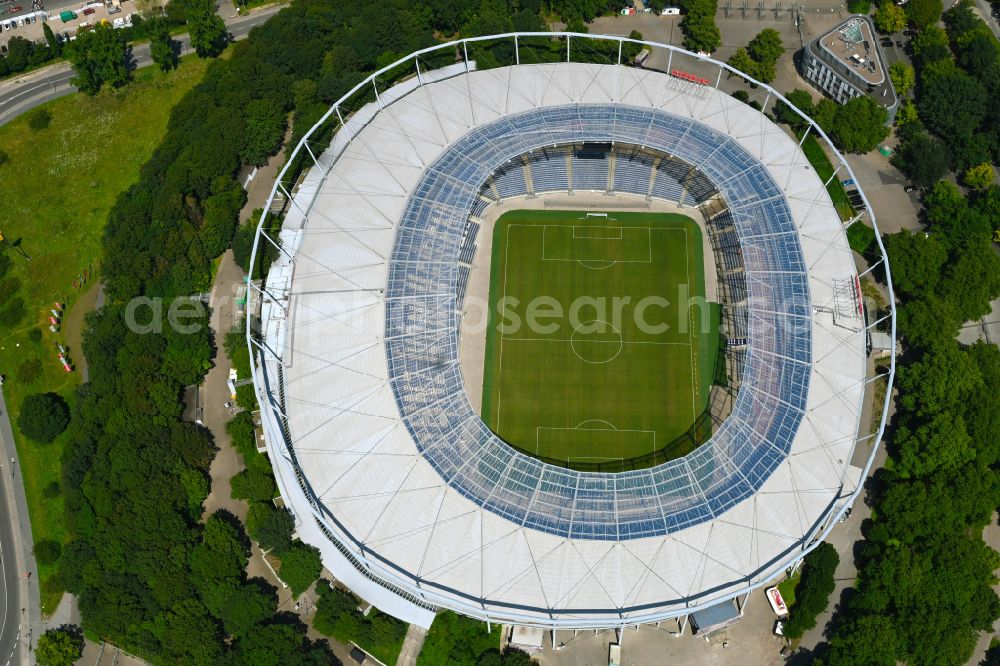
(74, 324)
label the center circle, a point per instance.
(596, 341)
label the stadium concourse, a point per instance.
(414, 503)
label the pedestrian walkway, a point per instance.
(412, 644)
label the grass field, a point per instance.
(58, 185)
(824, 169)
(600, 346)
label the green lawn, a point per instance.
(58, 185)
(787, 588)
(821, 163)
(618, 362)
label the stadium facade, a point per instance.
(413, 502)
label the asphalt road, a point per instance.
(10, 599)
(25, 93)
(18, 571)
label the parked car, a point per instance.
(910, 188)
(15, 8)
(886, 41)
(910, 33)
(88, 11)
(899, 43)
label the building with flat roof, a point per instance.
(846, 63)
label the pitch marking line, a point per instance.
(635, 342)
(598, 236)
(611, 428)
(610, 262)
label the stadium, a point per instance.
(585, 476)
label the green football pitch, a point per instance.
(600, 349)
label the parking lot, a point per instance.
(28, 24)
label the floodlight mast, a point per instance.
(267, 367)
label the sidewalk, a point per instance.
(412, 644)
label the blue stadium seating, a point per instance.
(426, 285)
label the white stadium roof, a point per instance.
(415, 518)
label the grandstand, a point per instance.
(413, 502)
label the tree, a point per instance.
(757, 60)
(942, 380)
(928, 321)
(47, 551)
(812, 594)
(859, 125)
(265, 127)
(55, 46)
(941, 444)
(902, 76)
(162, 48)
(742, 61)
(456, 640)
(248, 606)
(868, 639)
(923, 13)
(801, 100)
(241, 432)
(44, 416)
(700, 31)
(766, 46)
(930, 45)
(925, 159)
(906, 113)
(512, 656)
(221, 217)
(889, 18)
(300, 567)
(98, 58)
(917, 262)
(280, 642)
(20, 52)
(270, 526)
(61, 646)
(979, 177)
(206, 29)
(40, 118)
(253, 485)
(940, 108)
(216, 564)
(825, 114)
